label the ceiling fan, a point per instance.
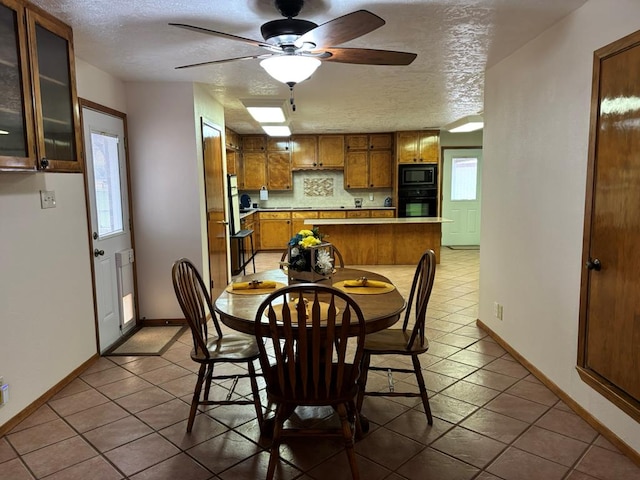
(296, 47)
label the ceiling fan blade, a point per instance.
(367, 56)
(201, 64)
(341, 29)
(194, 28)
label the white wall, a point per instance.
(47, 323)
(536, 134)
(167, 188)
(46, 302)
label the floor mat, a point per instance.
(149, 341)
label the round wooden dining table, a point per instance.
(238, 310)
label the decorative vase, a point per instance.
(308, 272)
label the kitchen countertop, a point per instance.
(249, 211)
(375, 221)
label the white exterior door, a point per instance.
(461, 195)
(109, 209)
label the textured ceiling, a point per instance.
(456, 40)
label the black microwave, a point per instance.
(423, 176)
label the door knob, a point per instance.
(98, 253)
(594, 264)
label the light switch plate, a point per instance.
(47, 199)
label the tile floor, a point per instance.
(125, 417)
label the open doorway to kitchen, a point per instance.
(461, 196)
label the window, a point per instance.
(106, 175)
(464, 178)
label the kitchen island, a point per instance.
(382, 241)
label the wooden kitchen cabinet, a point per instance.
(265, 163)
(254, 163)
(373, 141)
(358, 213)
(275, 230)
(232, 140)
(383, 213)
(369, 161)
(254, 143)
(277, 144)
(39, 104)
(368, 169)
(418, 146)
(356, 169)
(298, 218)
(234, 156)
(304, 152)
(332, 214)
(331, 151)
(279, 171)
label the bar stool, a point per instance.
(240, 237)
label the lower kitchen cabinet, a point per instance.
(275, 230)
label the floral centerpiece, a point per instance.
(310, 258)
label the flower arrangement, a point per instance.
(308, 253)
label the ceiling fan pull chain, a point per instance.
(291, 100)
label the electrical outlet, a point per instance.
(371, 197)
(47, 199)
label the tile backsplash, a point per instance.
(321, 189)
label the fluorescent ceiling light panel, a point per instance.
(277, 130)
(267, 114)
(266, 110)
(469, 123)
(4, 132)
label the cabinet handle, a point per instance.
(44, 163)
(320, 164)
(415, 159)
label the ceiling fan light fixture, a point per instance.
(290, 69)
(470, 123)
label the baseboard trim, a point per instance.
(45, 397)
(160, 322)
(586, 416)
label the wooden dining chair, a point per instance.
(337, 256)
(394, 341)
(236, 348)
(303, 333)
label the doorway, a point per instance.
(608, 353)
(104, 133)
(217, 223)
(461, 196)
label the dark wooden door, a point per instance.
(610, 301)
(217, 225)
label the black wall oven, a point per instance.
(418, 191)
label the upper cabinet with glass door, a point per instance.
(17, 145)
(51, 122)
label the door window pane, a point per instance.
(106, 176)
(464, 178)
